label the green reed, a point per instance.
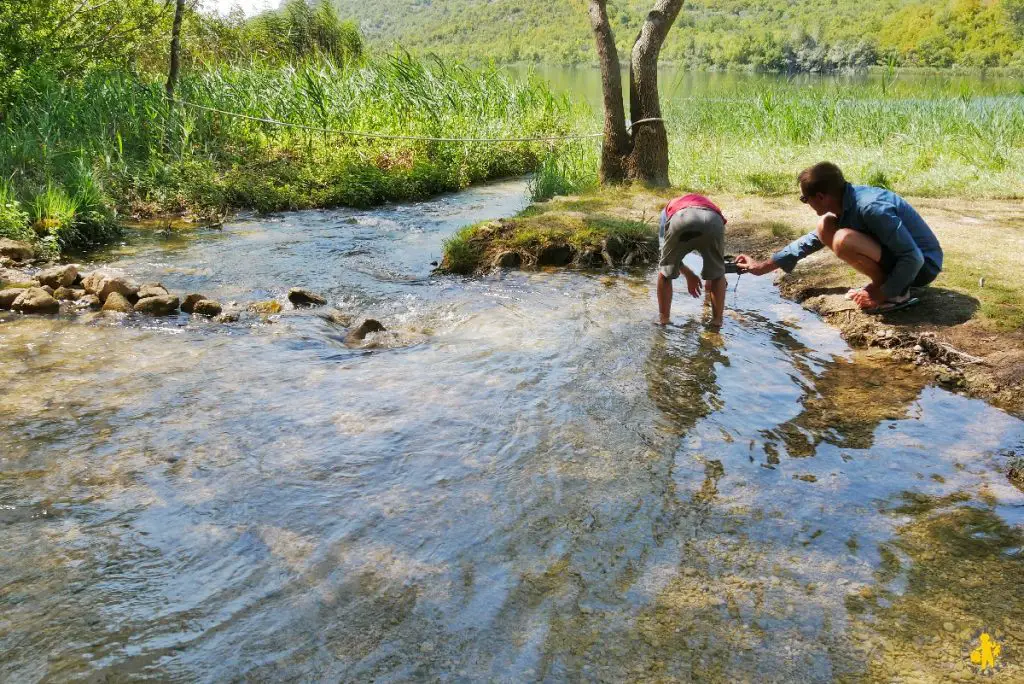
(112, 142)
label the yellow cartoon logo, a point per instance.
(986, 653)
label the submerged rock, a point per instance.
(116, 302)
(338, 318)
(36, 300)
(190, 301)
(158, 306)
(152, 290)
(207, 307)
(271, 306)
(15, 250)
(228, 317)
(300, 296)
(58, 276)
(8, 297)
(555, 255)
(367, 326)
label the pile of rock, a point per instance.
(63, 287)
(104, 289)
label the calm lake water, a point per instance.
(584, 83)
(524, 479)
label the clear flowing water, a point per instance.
(524, 479)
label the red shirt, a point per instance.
(686, 201)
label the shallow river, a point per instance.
(524, 479)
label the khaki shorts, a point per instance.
(693, 228)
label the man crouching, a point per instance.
(688, 223)
(872, 229)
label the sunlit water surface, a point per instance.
(524, 479)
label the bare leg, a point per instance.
(860, 251)
(664, 299)
(716, 292)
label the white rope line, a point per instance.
(385, 136)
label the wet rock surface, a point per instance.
(165, 305)
(118, 284)
(8, 297)
(58, 276)
(188, 305)
(300, 296)
(207, 307)
(152, 290)
(16, 251)
(116, 302)
(36, 300)
(68, 294)
(364, 328)
(271, 306)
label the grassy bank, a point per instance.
(79, 155)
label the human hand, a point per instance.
(745, 264)
(693, 284)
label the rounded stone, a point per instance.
(116, 302)
(58, 276)
(158, 306)
(207, 307)
(36, 300)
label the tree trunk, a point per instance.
(172, 74)
(616, 144)
(639, 154)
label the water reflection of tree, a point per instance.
(844, 404)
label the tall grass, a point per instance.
(932, 144)
(72, 147)
(932, 139)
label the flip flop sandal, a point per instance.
(890, 306)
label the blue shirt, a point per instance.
(888, 218)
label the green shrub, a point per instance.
(13, 220)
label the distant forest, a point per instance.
(765, 35)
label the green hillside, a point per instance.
(774, 35)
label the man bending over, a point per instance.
(689, 223)
(872, 229)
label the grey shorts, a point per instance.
(693, 228)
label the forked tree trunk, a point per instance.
(640, 154)
(172, 72)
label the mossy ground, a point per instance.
(975, 307)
